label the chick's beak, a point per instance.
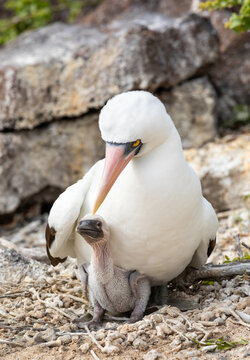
(116, 159)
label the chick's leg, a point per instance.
(96, 322)
(140, 287)
(84, 279)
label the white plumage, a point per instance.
(159, 220)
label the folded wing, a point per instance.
(62, 219)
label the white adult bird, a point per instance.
(159, 221)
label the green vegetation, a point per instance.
(219, 344)
(246, 256)
(32, 14)
(240, 117)
(207, 282)
(240, 19)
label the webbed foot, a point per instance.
(134, 319)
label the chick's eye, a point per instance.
(136, 143)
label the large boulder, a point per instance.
(108, 10)
(65, 70)
(192, 108)
(224, 170)
(231, 72)
(46, 159)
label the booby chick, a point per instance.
(144, 189)
(110, 288)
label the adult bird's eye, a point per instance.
(136, 143)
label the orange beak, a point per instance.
(116, 159)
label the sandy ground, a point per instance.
(39, 302)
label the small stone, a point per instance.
(53, 343)
(157, 318)
(140, 344)
(85, 348)
(65, 339)
(99, 334)
(113, 336)
(154, 355)
(110, 349)
(207, 316)
(245, 303)
(175, 342)
(163, 330)
(132, 336)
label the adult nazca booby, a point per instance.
(145, 190)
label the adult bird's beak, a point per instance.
(116, 159)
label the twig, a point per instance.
(76, 298)
(13, 296)
(93, 338)
(94, 355)
(245, 245)
(238, 247)
(178, 332)
(215, 272)
(236, 316)
(184, 317)
(62, 333)
(12, 343)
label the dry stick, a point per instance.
(184, 317)
(93, 338)
(245, 245)
(94, 355)
(12, 343)
(238, 318)
(238, 247)
(51, 306)
(216, 272)
(76, 298)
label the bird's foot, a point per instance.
(92, 324)
(134, 318)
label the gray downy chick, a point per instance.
(111, 288)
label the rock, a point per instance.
(14, 266)
(192, 108)
(71, 69)
(85, 348)
(140, 344)
(43, 162)
(109, 10)
(231, 73)
(154, 355)
(224, 170)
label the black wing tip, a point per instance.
(211, 246)
(50, 237)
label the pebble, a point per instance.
(207, 316)
(154, 355)
(85, 348)
(245, 317)
(163, 330)
(65, 339)
(100, 334)
(110, 349)
(140, 344)
(245, 303)
(132, 336)
(157, 318)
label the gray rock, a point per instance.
(14, 267)
(192, 108)
(223, 168)
(108, 10)
(231, 73)
(65, 70)
(43, 162)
